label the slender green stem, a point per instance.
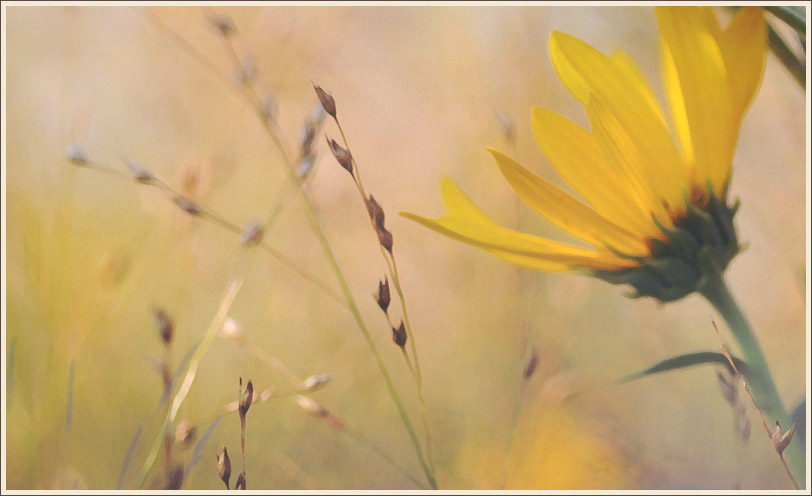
(394, 274)
(315, 226)
(229, 295)
(760, 382)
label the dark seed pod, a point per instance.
(224, 466)
(383, 297)
(76, 154)
(246, 397)
(343, 156)
(187, 205)
(327, 101)
(166, 328)
(399, 335)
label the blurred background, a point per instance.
(421, 91)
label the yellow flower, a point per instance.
(655, 212)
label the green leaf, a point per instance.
(793, 16)
(688, 360)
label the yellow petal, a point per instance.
(566, 212)
(703, 87)
(657, 190)
(466, 223)
(618, 84)
(578, 158)
(744, 49)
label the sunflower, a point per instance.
(655, 209)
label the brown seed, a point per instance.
(166, 328)
(781, 439)
(140, 173)
(306, 137)
(532, 363)
(252, 235)
(385, 238)
(187, 205)
(343, 156)
(327, 100)
(224, 25)
(175, 478)
(185, 433)
(399, 335)
(315, 382)
(311, 407)
(224, 466)
(375, 211)
(240, 486)
(268, 108)
(76, 154)
(383, 297)
(728, 388)
(377, 215)
(246, 397)
(306, 165)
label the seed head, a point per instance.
(246, 397)
(311, 407)
(306, 137)
(185, 433)
(532, 364)
(187, 205)
(399, 335)
(306, 165)
(224, 25)
(315, 382)
(76, 154)
(224, 466)
(166, 328)
(728, 388)
(268, 108)
(343, 156)
(175, 478)
(383, 297)
(140, 173)
(252, 235)
(327, 101)
(781, 439)
(240, 486)
(377, 215)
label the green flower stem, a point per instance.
(761, 382)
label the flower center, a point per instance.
(702, 243)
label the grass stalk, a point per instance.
(391, 263)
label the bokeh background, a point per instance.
(421, 91)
